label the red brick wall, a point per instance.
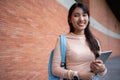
(101, 12)
(87, 3)
(28, 31)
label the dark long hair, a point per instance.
(92, 42)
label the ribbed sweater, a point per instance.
(78, 56)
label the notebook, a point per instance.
(105, 55)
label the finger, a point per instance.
(92, 68)
(97, 64)
(98, 61)
(95, 67)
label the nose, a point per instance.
(81, 18)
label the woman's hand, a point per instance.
(97, 66)
(85, 75)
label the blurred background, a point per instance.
(29, 29)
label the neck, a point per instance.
(79, 32)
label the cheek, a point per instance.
(74, 20)
(87, 19)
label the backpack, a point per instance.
(63, 54)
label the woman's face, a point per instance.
(79, 20)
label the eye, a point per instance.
(85, 14)
(76, 15)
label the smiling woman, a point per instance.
(82, 49)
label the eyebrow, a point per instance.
(76, 13)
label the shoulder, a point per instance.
(65, 35)
(61, 35)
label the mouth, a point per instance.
(81, 24)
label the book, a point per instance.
(105, 55)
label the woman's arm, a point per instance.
(56, 69)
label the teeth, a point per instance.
(81, 24)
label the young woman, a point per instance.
(83, 50)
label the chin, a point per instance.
(82, 28)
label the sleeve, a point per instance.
(56, 69)
(103, 73)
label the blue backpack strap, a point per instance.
(63, 53)
(63, 49)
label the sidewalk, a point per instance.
(113, 65)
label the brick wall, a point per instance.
(100, 11)
(28, 31)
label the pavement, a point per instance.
(113, 66)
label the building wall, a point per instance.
(29, 29)
(109, 38)
(28, 32)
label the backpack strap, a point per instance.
(63, 49)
